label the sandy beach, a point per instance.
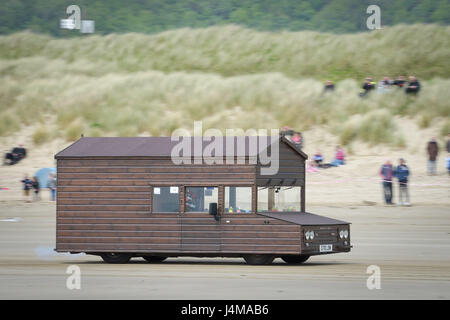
(409, 244)
(356, 183)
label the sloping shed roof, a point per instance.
(302, 218)
(149, 146)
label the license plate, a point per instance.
(326, 248)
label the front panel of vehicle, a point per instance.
(325, 239)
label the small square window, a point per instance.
(199, 198)
(165, 199)
(238, 199)
(279, 199)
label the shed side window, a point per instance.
(238, 199)
(279, 199)
(165, 199)
(197, 199)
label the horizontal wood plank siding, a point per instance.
(291, 169)
(104, 205)
(250, 233)
(200, 241)
(97, 196)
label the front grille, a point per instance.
(323, 235)
(326, 236)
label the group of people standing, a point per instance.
(32, 186)
(401, 172)
(411, 87)
(385, 85)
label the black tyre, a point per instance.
(295, 259)
(112, 257)
(259, 259)
(154, 258)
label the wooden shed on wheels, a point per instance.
(155, 198)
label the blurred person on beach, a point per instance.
(36, 189)
(312, 166)
(297, 139)
(447, 160)
(448, 143)
(16, 154)
(329, 86)
(339, 158)
(402, 173)
(399, 82)
(433, 151)
(51, 184)
(386, 174)
(413, 86)
(384, 85)
(27, 186)
(447, 163)
(318, 158)
(367, 86)
(287, 132)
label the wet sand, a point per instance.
(410, 245)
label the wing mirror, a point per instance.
(213, 210)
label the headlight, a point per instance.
(307, 235)
(341, 234)
(345, 234)
(311, 235)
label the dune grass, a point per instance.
(41, 135)
(232, 50)
(228, 77)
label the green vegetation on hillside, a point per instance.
(150, 16)
(422, 50)
(229, 77)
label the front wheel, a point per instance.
(259, 259)
(112, 257)
(297, 259)
(154, 258)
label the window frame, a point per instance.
(219, 196)
(152, 190)
(253, 198)
(300, 204)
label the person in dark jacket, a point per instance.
(27, 186)
(402, 173)
(329, 86)
(386, 174)
(367, 86)
(433, 151)
(448, 143)
(16, 154)
(399, 82)
(413, 86)
(36, 188)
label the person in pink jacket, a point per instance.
(339, 158)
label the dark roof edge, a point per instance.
(333, 222)
(56, 156)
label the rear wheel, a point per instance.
(298, 259)
(112, 257)
(154, 258)
(259, 259)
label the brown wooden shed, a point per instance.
(125, 197)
